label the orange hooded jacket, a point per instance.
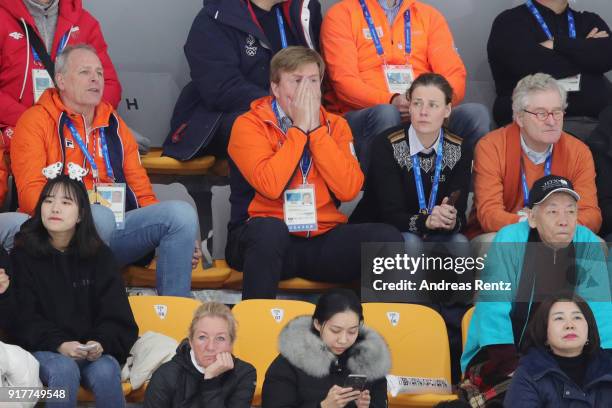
(37, 144)
(354, 67)
(268, 161)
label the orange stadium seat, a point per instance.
(155, 163)
(201, 278)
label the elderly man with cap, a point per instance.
(528, 262)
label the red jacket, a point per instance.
(36, 145)
(16, 61)
(267, 161)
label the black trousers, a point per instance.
(266, 253)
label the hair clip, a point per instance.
(53, 170)
(76, 172)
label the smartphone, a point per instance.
(86, 347)
(453, 197)
(356, 382)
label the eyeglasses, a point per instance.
(543, 115)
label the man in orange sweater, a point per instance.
(71, 130)
(374, 49)
(508, 160)
(291, 163)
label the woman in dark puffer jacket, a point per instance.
(565, 366)
(203, 373)
(318, 353)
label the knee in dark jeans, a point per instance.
(379, 232)
(266, 236)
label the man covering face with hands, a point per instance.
(291, 161)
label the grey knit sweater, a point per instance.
(45, 15)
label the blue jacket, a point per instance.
(229, 58)
(491, 323)
(539, 383)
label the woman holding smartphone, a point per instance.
(329, 359)
(74, 314)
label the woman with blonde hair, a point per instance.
(203, 373)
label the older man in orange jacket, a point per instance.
(71, 130)
(292, 162)
(374, 49)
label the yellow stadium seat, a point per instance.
(465, 324)
(234, 281)
(155, 163)
(167, 315)
(259, 323)
(209, 278)
(419, 346)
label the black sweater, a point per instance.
(62, 298)
(178, 384)
(514, 51)
(390, 193)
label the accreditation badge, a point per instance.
(570, 84)
(111, 195)
(398, 77)
(300, 209)
(41, 81)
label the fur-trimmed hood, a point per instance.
(369, 355)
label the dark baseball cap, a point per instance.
(547, 185)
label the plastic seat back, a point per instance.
(167, 315)
(260, 321)
(417, 338)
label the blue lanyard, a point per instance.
(281, 27)
(306, 160)
(416, 168)
(60, 48)
(94, 167)
(407, 32)
(105, 154)
(538, 16)
(379, 48)
(77, 137)
(547, 167)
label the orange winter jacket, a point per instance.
(37, 144)
(498, 194)
(354, 67)
(265, 162)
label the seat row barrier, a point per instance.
(221, 276)
(154, 163)
(416, 336)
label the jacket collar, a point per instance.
(305, 350)
(540, 363)
(235, 13)
(546, 11)
(50, 100)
